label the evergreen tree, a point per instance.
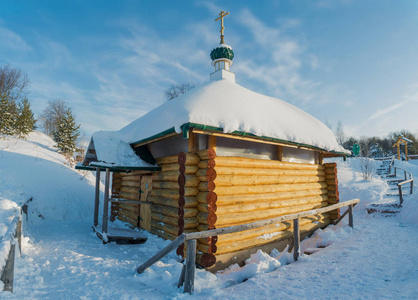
(67, 133)
(25, 122)
(8, 116)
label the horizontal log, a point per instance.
(265, 205)
(263, 189)
(331, 171)
(169, 193)
(133, 223)
(129, 183)
(333, 200)
(188, 201)
(333, 181)
(189, 223)
(268, 238)
(238, 180)
(129, 196)
(330, 176)
(131, 178)
(241, 162)
(132, 190)
(171, 229)
(163, 234)
(206, 154)
(134, 208)
(166, 176)
(129, 214)
(269, 229)
(201, 173)
(177, 177)
(242, 218)
(332, 188)
(177, 167)
(174, 212)
(190, 159)
(243, 199)
(173, 185)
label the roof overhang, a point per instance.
(217, 131)
(94, 165)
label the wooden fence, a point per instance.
(8, 245)
(409, 180)
(188, 271)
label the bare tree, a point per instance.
(366, 167)
(339, 133)
(52, 115)
(176, 90)
(13, 83)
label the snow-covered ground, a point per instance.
(63, 259)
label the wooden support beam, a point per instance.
(350, 216)
(190, 266)
(296, 239)
(192, 141)
(106, 202)
(212, 142)
(400, 194)
(280, 153)
(321, 158)
(96, 199)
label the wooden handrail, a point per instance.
(187, 274)
(253, 225)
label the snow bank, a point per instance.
(232, 107)
(34, 168)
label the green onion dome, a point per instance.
(223, 51)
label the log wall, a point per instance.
(173, 197)
(332, 186)
(236, 190)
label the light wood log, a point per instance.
(165, 185)
(238, 180)
(188, 191)
(163, 234)
(188, 180)
(176, 177)
(188, 201)
(189, 223)
(188, 159)
(241, 162)
(132, 190)
(134, 208)
(129, 214)
(257, 206)
(171, 229)
(201, 173)
(254, 242)
(167, 160)
(242, 218)
(176, 167)
(331, 171)
(131, 178)
(332, 188)
(129, 196)
(243, 199)
(269, 229)
(133, 223)
(333, 181)
(128, 183)
(174, 212)
(208, 153)
(261, 189)
(166, 176)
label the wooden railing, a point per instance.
(188, 271)
(8, 245)
(409, 180)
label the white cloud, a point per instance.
(12, 40)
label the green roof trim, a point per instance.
(187, 126)
(92, 167)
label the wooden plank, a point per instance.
(280, 153)
(350, 216)
(145, 216)
(8, 270)
(166, 250)
(192, 141)
(106, 202)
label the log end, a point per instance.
(208, 260)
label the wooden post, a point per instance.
(19, 234)
(8, 271)
(212, 142)
(280, 153)
(192, 141)
(400, 194)
(406, 151)
(412, 186)
(321, 158)
(398, 147)
(182, 274)
(96, 199)
(190, 266)
(296, 238)
(350, 216)
(106, 202)
(395, 171)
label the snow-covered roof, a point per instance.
(112, 152)
(227, 105)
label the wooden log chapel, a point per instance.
(217, 156)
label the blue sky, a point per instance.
(349, 61)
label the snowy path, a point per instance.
(378, 259)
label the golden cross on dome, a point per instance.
(222, 14)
